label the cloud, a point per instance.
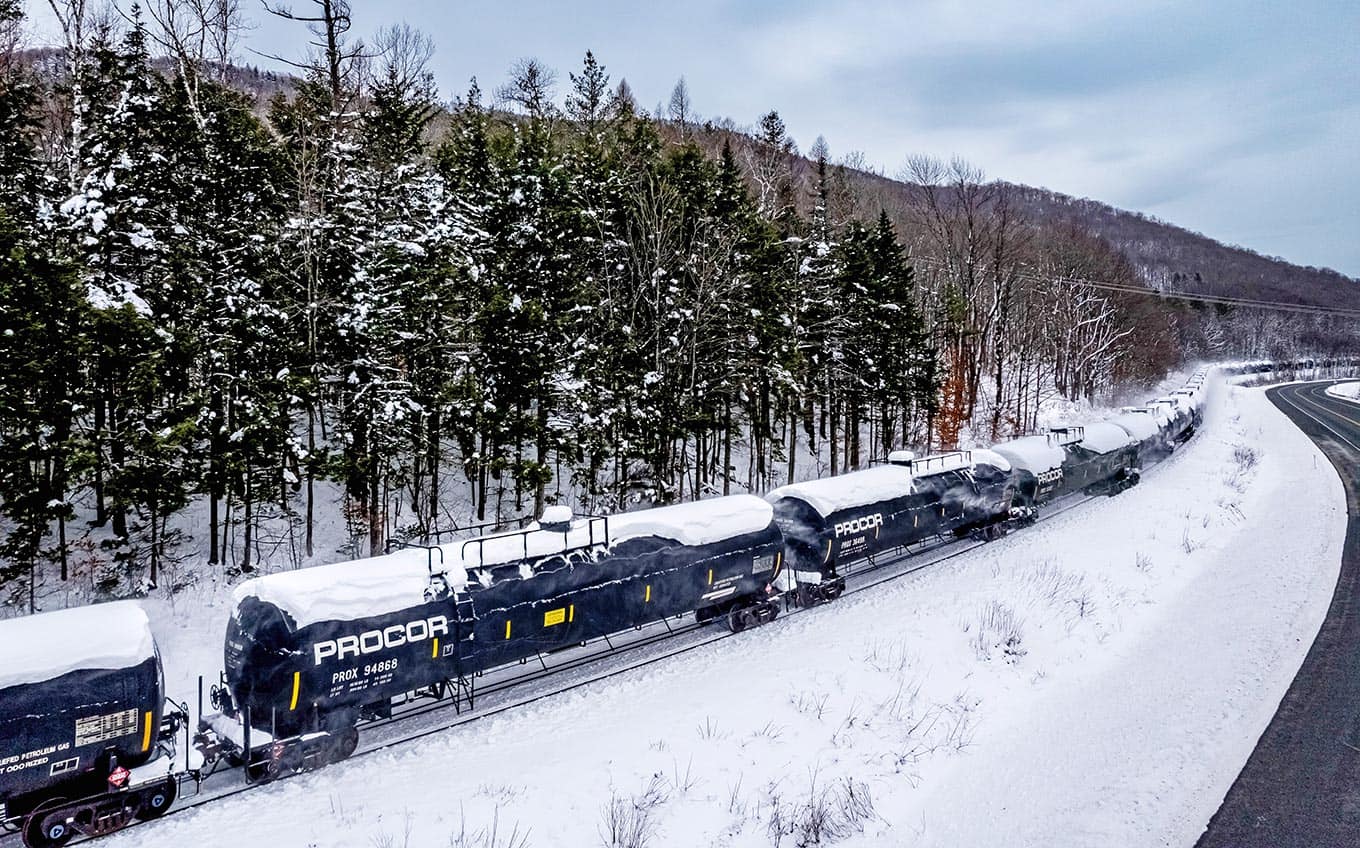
(1238, 119)
(1215, 112)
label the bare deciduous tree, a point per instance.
(406, 53)
(769, 164)
(200, 36)
(530, 87)
(339, 60)
(680, 108)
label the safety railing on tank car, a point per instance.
(1064, 436)
(936, 462)
(438, 536)
(931, 463)
(597, 535)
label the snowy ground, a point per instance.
(1345, 391)
(1096, 680)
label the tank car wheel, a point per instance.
(738, 620)
(157, 800)
(833, 589)
(346, 741)
(42, 830)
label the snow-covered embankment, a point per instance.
(1345, 391)
(1097, 679)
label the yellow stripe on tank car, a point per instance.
(146, 733)
(647, 598)
(827, 558)
(710, 577)
(297, 684)
(571, 613)
(434, 650)
(507, 630)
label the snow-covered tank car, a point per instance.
(1192, 397)
(81, 733)
(1180, 419)
(831, 525)
(1142, 425)
(1036, 467)
(309, 652)
(1103, 462)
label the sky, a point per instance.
(1239, 119)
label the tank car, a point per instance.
(834, 524)
(86, 744)
(309, 653)
(1180, 419)
(1142, 426)
(1097, 458)
(1036, 467)
(1103, 462)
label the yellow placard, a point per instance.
(556, 616)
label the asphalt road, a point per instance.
(1301, 786)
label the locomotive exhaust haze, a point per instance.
(371, 641)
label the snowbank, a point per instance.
(1136, 742)
(44, 646)
(1345, 391)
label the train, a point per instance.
(87, 743)
(91, 740)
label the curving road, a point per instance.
(1301, 786)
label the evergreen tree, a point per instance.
(41, 343)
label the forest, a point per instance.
(352, 297)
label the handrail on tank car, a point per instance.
(402, 544)
(922, 464)
(591, 522)
(1063, 436)
(438, 535)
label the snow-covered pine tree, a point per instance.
(474, 176)
(588, 400)
(120, 228)
(41, 335)
(906, 353)
(392, 319)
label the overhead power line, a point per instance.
(1213, 299)
(1167, 294)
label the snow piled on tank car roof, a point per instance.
(858, 488)
(375, 586)
(1103, 437)
(1139, 425)
(693, 523)
(1032, 453)
(697, 522)
(47, 645)
(355, 589)
(984, 456)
